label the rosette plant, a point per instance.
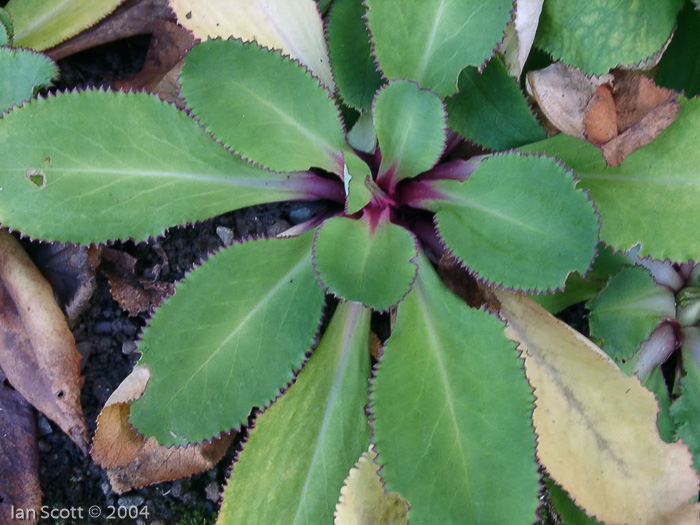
(448, 408)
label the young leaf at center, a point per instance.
(250, 311)
(293, 466)
(451, 413)
(370, 260)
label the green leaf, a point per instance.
(656, 384)
(22, 72)
(411, 129)
(363, 499)
(41, 24)
(451, 413)
(298, 454)
(431, 42)
(371, 260)
(351, 55)
(229, 339)
(580, 288)
(628, 310)
(652, 198)
(588, 34)
(356, 174)
(686, 410)
(68, 176)
(518, 221)
(679, 68)
(265, 107)
(6, 30)
(569, 512)
(491, 110)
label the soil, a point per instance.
(105, 335)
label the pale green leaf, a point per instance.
(431, 42)
(686, 409)
(355, 176)
(363, 500)
(118, 165)
(264, 106)
(293, 466)
(679, 68)
(491, 110)
(292, 26)
(41, 24)
(353, 64)
(652, 198)
(451, 413)
(518, 221)
(371, 260)
(411, 129)
(228, 340)
(627, 311)
(6, 30)
(22, 72)
(598, 35)
(363, 136)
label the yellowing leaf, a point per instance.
(37, 350)
(597, 427)
(363, 499)
(294, 26)
(131, 460)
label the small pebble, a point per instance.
(212, 491)
(103, 327)
(225, 234)
(106, 488)
(43, 426)
(128, 347)
(44, 446)
(130, 501)
(300, 214)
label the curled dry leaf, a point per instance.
(520, 35)
(37, 350)
(19, 456)
(70, 269)
(597, 427)
(363, 499)
(564, 94)
(133, 17)
(600, 120)
(131, 460)
(134, 294)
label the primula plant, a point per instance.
(367, 121)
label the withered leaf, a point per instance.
(19, 456)
(131, 460)
(37, 349)
(600, 121)
(134, 294)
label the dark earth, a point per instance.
(105, 336)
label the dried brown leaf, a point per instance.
(134, 294)
(462, 283)
(131, 460)
(600, 120)
(19, 456)
(596, 426)
(133, 17)
(37, 350)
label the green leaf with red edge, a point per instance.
(517, 221)
(451, 413)
(679, 68)
(251, 311)
(491, 110)
(627, 311)
(41, 24)
(651, 199)
(300, 450)
(151, 168)
(371, 260)
(431, 42)
(411, 129)
(355, 71)
(22, 72)
(588, 34)
(264, 106)
(686, 409)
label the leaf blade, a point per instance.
(199, 366)
(21, 73)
